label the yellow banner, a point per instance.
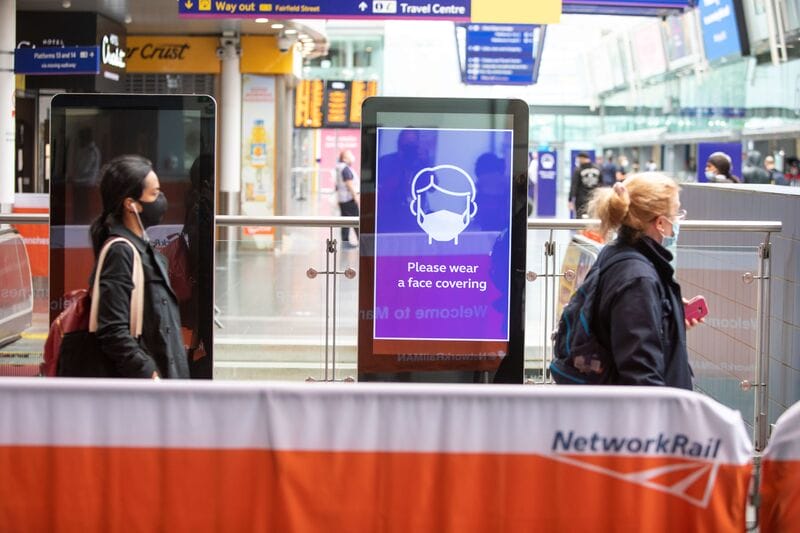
(516, 11)
(19, 82)
(172, 54)
(260, 55)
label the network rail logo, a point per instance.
(675, 464)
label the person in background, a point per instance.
(623, 167)
(718, 169)
(640, 317)
(776, 177)
(84, 178)
(608, 170)
(533, 169)
(132, 202)
(752, 171)
(585, 179)
(346, 193)
(650, 166)
(792, 174)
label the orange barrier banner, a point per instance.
(139, 456)
(780, 476)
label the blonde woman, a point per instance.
(639, 316)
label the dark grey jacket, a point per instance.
(640, 316)
(160, 347)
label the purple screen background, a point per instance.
(443, 313)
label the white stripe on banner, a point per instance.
(372, 417)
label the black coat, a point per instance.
(161, 346)
(640, 316)
(585, 179)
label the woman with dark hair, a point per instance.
(718, 169)
(132, 202)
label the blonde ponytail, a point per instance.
(635, 202)
(611, 206)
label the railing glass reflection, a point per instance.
(288, 312)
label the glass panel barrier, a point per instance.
(546, 251)
(272, 315)
(344, 351)
(722, 351)
(282, 317)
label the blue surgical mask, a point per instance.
(711, 176)
(671, 244)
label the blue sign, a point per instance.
(720, 28)
(624, 7)
(732, 150)
(66, 60)
(456, 10)
(501, 54)
(546, 180)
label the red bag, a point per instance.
(74, 317)
(80, 317)
(180, 278)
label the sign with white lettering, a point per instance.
(722, 34)
(498, 54)
(456, 10)
(57, 61)
(546, 183)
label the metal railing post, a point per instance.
(335, 274)
(761, 407)
(549, 300)
(328, 245)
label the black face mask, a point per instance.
(153, 212)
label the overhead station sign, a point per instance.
(456, 10)
(724, 34)
(499, 54)
(625, 7)
(66, 60)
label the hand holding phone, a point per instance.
(695, 309)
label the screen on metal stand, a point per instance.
(443, 232)
(176, 133)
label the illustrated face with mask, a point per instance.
(671, 230)
(151, 206)
(443, 202)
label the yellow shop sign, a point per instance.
(172, 54)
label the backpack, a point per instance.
(71, 348)
(578, 356)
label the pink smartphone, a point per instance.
(696, 308)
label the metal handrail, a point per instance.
(24, 218)
(288, 221)
(748, 226)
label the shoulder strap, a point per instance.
(137, 295)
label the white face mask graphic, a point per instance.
(443, 225)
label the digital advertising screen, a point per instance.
(442, 236)
(177, 134)
(723, 28)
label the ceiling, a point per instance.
(161, 17)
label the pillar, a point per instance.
(8, 34)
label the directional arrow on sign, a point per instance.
(189, 4)
(362, 6)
